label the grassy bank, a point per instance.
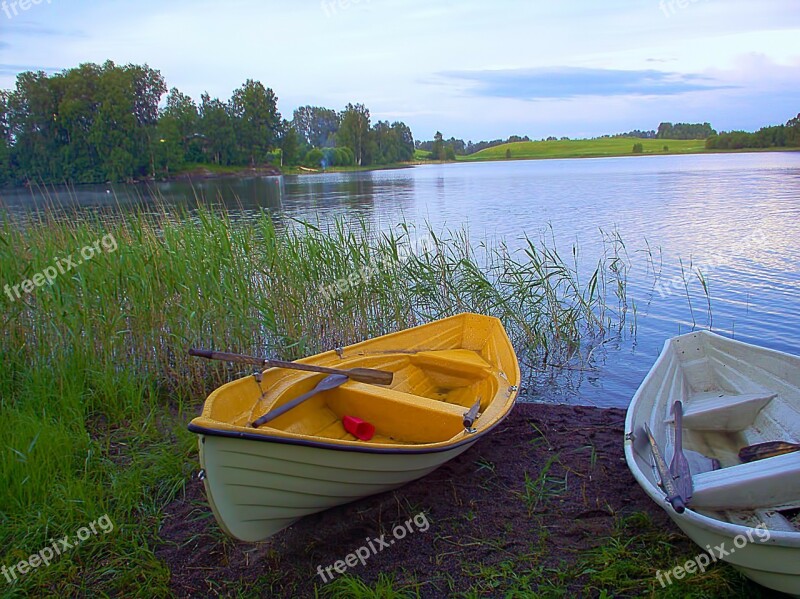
(585, 148)
(97, 389)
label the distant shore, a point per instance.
(270, 170)
(211, 172)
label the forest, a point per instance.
(778, 136)
(107, 123)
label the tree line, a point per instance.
(685, 131)
(98, 123)
(778, 136)
(441, 148)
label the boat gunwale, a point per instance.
(400, 449)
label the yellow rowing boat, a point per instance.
(261, 480)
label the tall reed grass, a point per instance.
(96, 386)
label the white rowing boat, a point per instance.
(734, 395)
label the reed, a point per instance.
(96, 385)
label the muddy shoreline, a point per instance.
(490, 508)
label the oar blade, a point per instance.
(679, 467)
(770, 449)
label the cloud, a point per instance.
(16, 69)
(573, 82)
(28, 30)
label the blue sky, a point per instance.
(476, 70)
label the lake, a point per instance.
(736, 216)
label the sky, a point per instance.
(472, 70)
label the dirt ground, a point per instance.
(477, 507)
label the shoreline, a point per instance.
(206, 174)
(467, 160)
(540, 505)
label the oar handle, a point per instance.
(472, 415)
(677, 410)
(363, 375)
(227, 357)
(677, 503)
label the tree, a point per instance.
(77, 111)
(314, 158)
(216, 127)
(257, 121)
(290, 145)
(114, 132)
(793, 131)
(638, 148)
(177, 133)
(437, 150)
(685, 131)
(392, 143)
(354, 132)
(31, 107)
(5, 141)
(317, 126)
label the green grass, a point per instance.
(422, 155)
(546, 486)
(352, 587)
(96, 386)
(585, 148)
(623, 564)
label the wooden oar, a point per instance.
(673, 497)
(770, 449)
(363, 375)
(326, 384)
(679, 467)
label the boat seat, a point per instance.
(716, 411)
(456, 361)
(766, 483)
(399, 415)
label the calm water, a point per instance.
(737, 216)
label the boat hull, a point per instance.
(736, 395)
(257, 489)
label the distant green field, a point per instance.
(586, 148)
